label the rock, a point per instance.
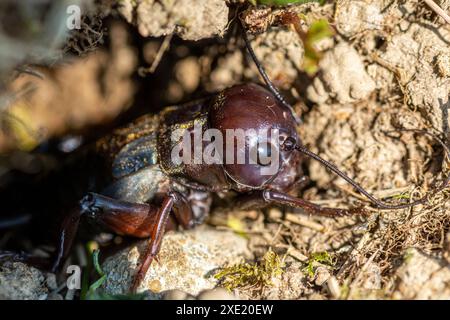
(176, 294)
(216, 294)
(343, 78)
(21, 282)
(427, 85)
(229, 70)
(354, 17)
(210, 294)
(423, 277)
(358, 18)
(333, 287)
(187, 262)
(368, 284)
(322, 275)
(190, 19)
(371, 277)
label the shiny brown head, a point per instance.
(254, 110)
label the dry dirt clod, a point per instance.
(423, 277)
(443, 64)
(426, 85)
(343, 78)
(21, 282)
(354, 17)
(190, 19)
(322, 275)
(281, 52)
(351, 136)
(187, 261)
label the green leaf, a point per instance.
(97, 284)
(97, 267)
(319, 30)
(91, 294)
(237, 226)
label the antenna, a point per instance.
(264, 75)
(290, 144)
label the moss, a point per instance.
(284, 2)
(409, 254)
(323, 258)
(258, 274)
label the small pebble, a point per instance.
(176, 294)
(216, 294)
(322, 276)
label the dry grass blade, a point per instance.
(438, 10)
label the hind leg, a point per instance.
(139, 220)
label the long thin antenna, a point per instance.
(290, 144)
(264, 75)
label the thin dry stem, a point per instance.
(438, 10)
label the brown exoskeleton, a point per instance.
(150, 193)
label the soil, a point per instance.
(386, 69)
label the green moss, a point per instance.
(318, 257)
(409, 254)
(251, 275)
(284, 2)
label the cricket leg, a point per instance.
(264, 198)
(139, 220)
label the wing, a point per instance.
(134, 156)
(139, 186)
(130, 148)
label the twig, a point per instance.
(333, 287)
(361, 272)
(304, 222)
(438, 10)
(296, 254)
(355, 253)
(162, 49)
